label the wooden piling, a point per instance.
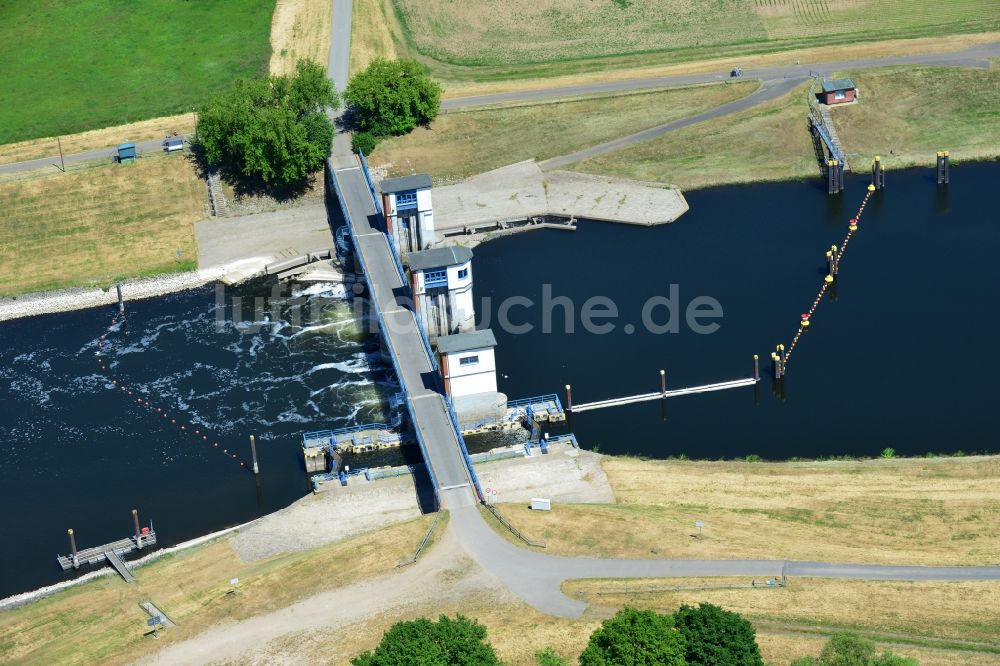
(878, 176)
(756, 368)
(942, 167)
(663, 381)
(72, 547)
(253, 454)
(121, 299)
(569, 397)
(831, 177)
(138, 532)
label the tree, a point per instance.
(635, 638)
(717, 637)
(391, 97)
(273, 130)
(848, 649)
(423, 642)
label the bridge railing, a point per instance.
(382, 328)
(431, 358)
(371, 183)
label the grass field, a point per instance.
(101, 622)
(909, 511)
(791, 622)
(73, 66)
(483, 33)
(300, 30)
(462, 143)
(905, 115)
(99, 223)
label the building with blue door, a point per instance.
(409, 214)
(441, 281)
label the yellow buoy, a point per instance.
(853, 227)
(871, 188)
(828, 278)
(805, 323)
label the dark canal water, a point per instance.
(75, 453)
(905, 358)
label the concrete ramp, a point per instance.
(522, 191)
(119, 565)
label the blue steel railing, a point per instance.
(371, 183)
(382, 327)
(524, 402)
(423, 338)
(327, 434)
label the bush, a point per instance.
(273, 130)
(423, 642)
(391, 97)
(548, 657)
(851, 650)
(716, 637)
(888, 452)
(364, 142)
(635, 638)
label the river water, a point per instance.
(905, 358)
(75, 453)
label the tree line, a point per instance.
(703, 635)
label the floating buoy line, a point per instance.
(780, 356)
(136, 398)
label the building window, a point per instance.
(464, 273)
(840, 94)
(469, 360)
(437, 278)
(406, 200)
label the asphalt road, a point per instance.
(339, 63)
(537, 578)
(769, 90)
(974, 57)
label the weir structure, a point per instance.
(431, 413)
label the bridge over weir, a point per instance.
(431, 413)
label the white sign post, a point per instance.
(699, 524)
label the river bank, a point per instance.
(66, 300)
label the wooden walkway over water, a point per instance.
(111, 553)
(660, 395)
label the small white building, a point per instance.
(409, 213)
(468, 363)
(441, 280)
(469, 368)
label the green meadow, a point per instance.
(73, 65)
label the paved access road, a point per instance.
(537, 577)
(390, 296)
(340, 60)
(534, 576)
(978, 56)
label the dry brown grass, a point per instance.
(372, 26)
(767, 142)
(790, 623)
(518, 32)
(462, 143)
(145, 130)
(907, 114)
(300, 30)
(102, 622)
(922, 511)
(467, 86)
(929, 609)
(90, 226)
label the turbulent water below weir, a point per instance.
(77, 453)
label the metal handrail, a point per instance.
(513, 530)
